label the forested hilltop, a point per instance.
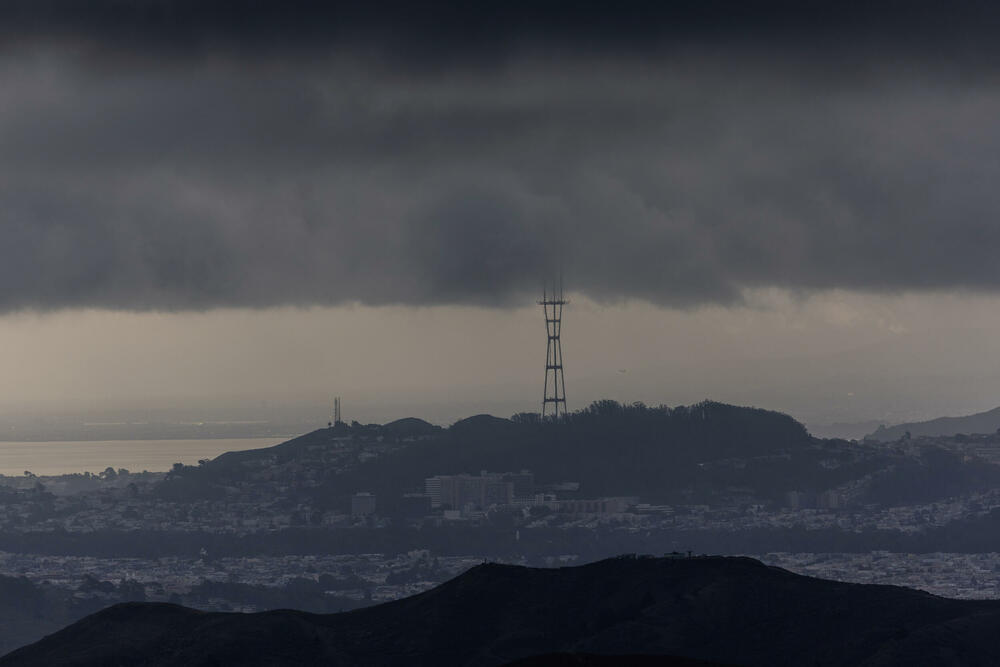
(706, 453)
(608, 448)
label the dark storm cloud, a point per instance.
(195, 155)
(450, 34)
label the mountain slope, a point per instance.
(658, 452)
(981, 422)
(727, 610)
(610, 449)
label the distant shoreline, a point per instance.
(45, 458)
(147, 439)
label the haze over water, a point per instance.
(60, 458)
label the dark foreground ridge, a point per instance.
(722, 610)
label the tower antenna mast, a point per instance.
(555, 383)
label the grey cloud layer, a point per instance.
(680, 178)
(481, 32)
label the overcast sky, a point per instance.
(786, 204)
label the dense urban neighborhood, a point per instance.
(342, 518)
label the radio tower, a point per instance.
(555, 389)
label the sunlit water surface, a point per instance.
(59, 458)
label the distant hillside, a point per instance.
(401, 429)
(844, 430)
(686, 454)
(609, 448)
(29, 611)
(982, 422)
(726, 610)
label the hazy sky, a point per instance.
(786, 204)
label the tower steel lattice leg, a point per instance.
(552, 306)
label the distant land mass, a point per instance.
(28, 612)
(752, 468)
(844, 430)
(722, 610)
(981, 422)
(609, 448)
(686, 454)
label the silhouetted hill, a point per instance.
(982, 422)
(728, 610)
(410, 427)
(609, 448)
(686, 454)
(29, 611)
(24, 613)
(481, 425)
